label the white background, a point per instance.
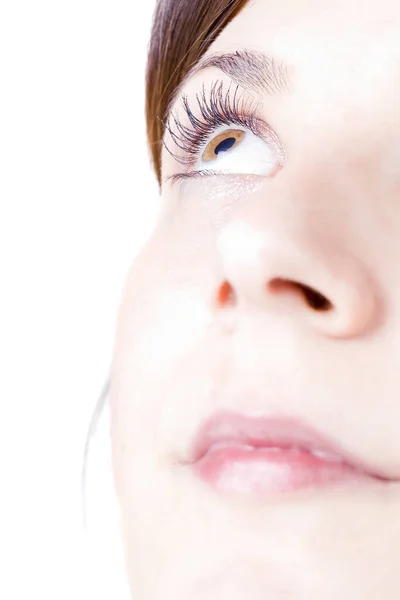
(77, 201)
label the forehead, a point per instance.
(317, 32)
(337, 53)
(337, 22)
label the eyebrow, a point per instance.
(252, 70)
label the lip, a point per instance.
(267, 455)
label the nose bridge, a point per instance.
(295, 235)
(333, 171)
(308, 208)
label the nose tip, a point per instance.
(327, 289)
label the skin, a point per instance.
(330, 219)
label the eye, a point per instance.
(238, 151)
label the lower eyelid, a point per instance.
(192, 175)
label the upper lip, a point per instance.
(281, 432)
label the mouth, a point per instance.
(267, 455)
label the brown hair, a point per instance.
(182, 32)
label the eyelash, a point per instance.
(217, 108)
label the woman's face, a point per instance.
(270, 288)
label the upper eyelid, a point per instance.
(242, 102)
(217, 106)
(177, 105)
(252, 70)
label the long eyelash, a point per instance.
(216, 109)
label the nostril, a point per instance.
(314, 299)
(226, 294)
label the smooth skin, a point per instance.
(184, 347)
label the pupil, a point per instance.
(224, 145)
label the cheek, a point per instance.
(161, 318)
(161, 321)
(166, 309)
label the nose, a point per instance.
(276, 256)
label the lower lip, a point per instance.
(270, 471)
